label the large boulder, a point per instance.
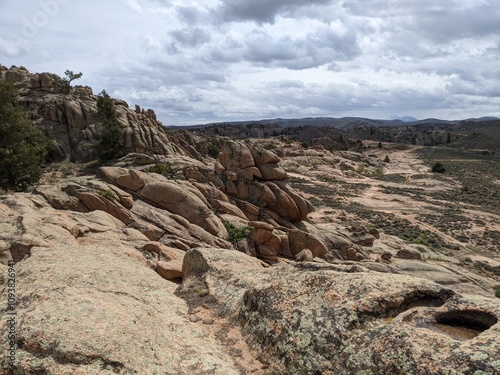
(235, 156)
(179, 200)
(254, 175)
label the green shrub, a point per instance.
(236, 234)
(270, 146)
(108, 194)
(111, 145)
(497, 291)
(213, 151)
(23, 147)
(387, 160)
(438, 167)
(164, 169)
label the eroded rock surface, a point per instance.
(344, 319)
(91, 296)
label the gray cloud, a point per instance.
(261, 11)
(198, 61)
(190, 37)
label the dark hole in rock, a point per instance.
(425, 298)
(417, 298)
(476, 320)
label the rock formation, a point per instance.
(324, 319)
(98, 260)
(67, 119)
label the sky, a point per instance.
(198, 62)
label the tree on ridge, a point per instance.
(23, 146)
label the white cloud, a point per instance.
(134, 5)
(217, 60)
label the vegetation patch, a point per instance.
(108, 194)
(236, 234)
(438, 167)
(111, 144)
(496, 288)
(213, 151)
(165, 169)
(23, 146)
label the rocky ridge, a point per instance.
(67, 118)
(98, 251)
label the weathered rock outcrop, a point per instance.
(254, 176)
(172, 225)
(246, 184)
(67, 118)
(346, 320)
(111, 314)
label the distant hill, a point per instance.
(339, 123)
(346, 132)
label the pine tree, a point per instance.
(111, 146)
(23, 146)
(70, 77)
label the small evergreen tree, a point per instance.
(23, 146)
(111, 146)
(438, 167)
(70, 77)
(213, 151)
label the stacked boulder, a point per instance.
(257, 184)
(251, 179)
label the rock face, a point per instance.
(67, 118)
(347, 320)
(254, 176)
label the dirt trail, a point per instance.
(407, 163)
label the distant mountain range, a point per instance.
(346, 132)
(343, 123)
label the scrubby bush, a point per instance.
(108, 194)
(438, 167)
(236, 234)
(23, 146)
(213, 151)
(164, 169)
(497, 291)
(270, 146)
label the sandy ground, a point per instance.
(403, 162)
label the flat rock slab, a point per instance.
(98, 310)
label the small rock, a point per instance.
(194, 318)
(169, 270)
(375, 233)
(386, 256)
(409, 254)
(305, 255)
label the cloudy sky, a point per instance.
(224, 60)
